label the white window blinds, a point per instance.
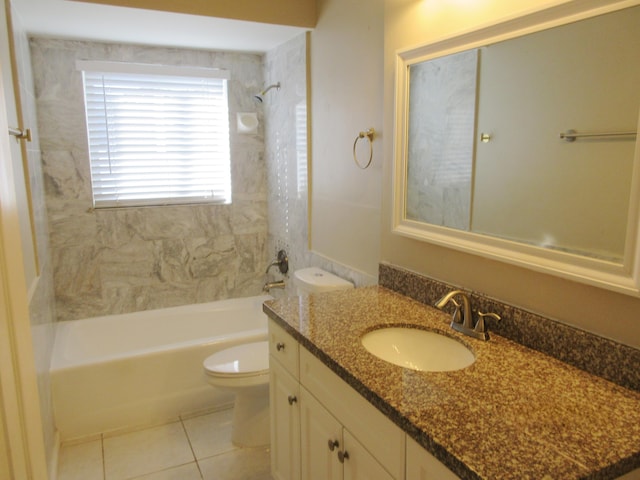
(157, 135)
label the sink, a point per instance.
(418, 349)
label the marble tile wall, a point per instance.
(122, 260)
(41, 298)
(289, 166)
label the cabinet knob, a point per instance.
(292, 399)
(279, 346)
(343, 455)
(333, 444)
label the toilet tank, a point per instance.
(315, 280)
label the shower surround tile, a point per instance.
(286, 149)
(121, 260)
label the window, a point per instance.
(157, 135)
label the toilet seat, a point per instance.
(246, 360)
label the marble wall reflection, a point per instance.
(442, 102)
(122, 260)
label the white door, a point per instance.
(22, 452)
(22, 441)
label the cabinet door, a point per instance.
(421, 465)
(320, 442)
(381, 437)
(359, 464)
(284, 392)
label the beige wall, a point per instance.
(299, 13)
(412, 23)
(346, 98)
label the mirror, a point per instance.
(518, 142)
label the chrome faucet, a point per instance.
(462, 318)
(269, 285)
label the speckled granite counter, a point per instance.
(514, 413)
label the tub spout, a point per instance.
(269, 285)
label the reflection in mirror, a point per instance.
(442, 104)
(484, 158)
(524, 183)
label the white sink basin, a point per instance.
(418, 349)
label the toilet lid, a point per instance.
(243, 360)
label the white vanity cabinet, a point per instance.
(284, 392)
(375, 446)
(322, 429)
(421, 465)
(328, 450)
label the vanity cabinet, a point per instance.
(284, 391)
(322, 429)
(365, 430)
(329, 451)
(421, 465)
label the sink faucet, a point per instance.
(462, 318)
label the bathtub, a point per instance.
(122, 371)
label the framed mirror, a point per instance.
(518, 142)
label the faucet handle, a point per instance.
(282, 262)
(495, 316)
(457, 312)
(480, 328)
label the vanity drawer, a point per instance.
(284, 348)
(381, 437)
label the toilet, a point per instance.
(315, 280)
(244, 369)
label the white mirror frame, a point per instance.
(620, 277)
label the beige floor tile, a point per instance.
(81, 461)
(189, 471)
(240, 464)
(210, 434)
(146, 451)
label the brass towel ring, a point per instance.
(369, 134)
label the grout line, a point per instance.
(191, 446)
(104, 465)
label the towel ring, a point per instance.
(369, 134)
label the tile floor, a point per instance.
(191, 448)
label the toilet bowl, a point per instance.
(244, 370)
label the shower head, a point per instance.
(261, 94)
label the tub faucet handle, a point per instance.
(281, 261)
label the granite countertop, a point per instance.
(514, 413)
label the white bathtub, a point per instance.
(121, 371)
